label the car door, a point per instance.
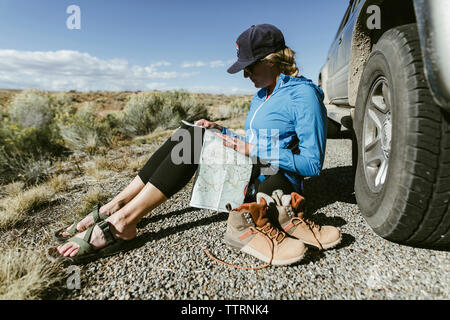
(332, 62)
(342, 55)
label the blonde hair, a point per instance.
(284, 60)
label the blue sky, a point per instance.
(153, 44)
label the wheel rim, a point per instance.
(377, 135)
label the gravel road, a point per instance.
(169, 263)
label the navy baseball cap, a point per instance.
(255, 43)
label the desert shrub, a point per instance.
(180, 106)
(25, 152)
(112, 122)
(236, 108)
(239, 107)
(32, 170)
(31, 108)
(60, 102)
(146, 111)
(138, 115)
(29, 136)
(81, 131)
(242, 104)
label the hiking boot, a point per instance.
(290, 209)
(250, 230)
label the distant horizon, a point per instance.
(151, 45)
(135, 91)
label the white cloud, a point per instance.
(193, 64)
(211, 64)
(65, 70)
(217, 63)
(161, 64)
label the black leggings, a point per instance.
(169, 177)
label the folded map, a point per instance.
(222, 176)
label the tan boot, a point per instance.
(290, 216)
(249, 230)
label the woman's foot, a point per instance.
(118, 229)
(107, 209)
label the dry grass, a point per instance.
(93, 171)
(105, 163)
(218, 99)
(234, 124)
(13, 188)
(94, 196)
(18, 205)
(15, 209)
(156, 137)
(135, 164)
(100, 167)
(59, 183)
(25, 274)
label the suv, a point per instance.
(388, 82)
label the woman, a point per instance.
(286, 129)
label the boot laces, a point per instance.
(273, 232)
(270, 233)
(311, 225)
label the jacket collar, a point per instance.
(281, 82)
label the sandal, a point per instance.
(95, 213)
(86, 253)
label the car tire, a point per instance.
(402, 181)
(354, 153)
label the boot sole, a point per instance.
(232, 243)
(275, 262)
(326, 245)
(248, 250)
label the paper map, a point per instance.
(222, 176)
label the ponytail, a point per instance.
(285, 61)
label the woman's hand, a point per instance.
(237, 144)
(208, 124)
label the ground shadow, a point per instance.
(313, 254)
(145, 221)
(333, 185)
(142, 239)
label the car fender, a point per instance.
(433, 20)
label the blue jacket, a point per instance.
(295, 110)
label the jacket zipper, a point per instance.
(253, 118)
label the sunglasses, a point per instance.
(249, 69)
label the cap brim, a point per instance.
(239, 65)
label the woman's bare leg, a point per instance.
(129, 216)
(125, 196)
(123, 222)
